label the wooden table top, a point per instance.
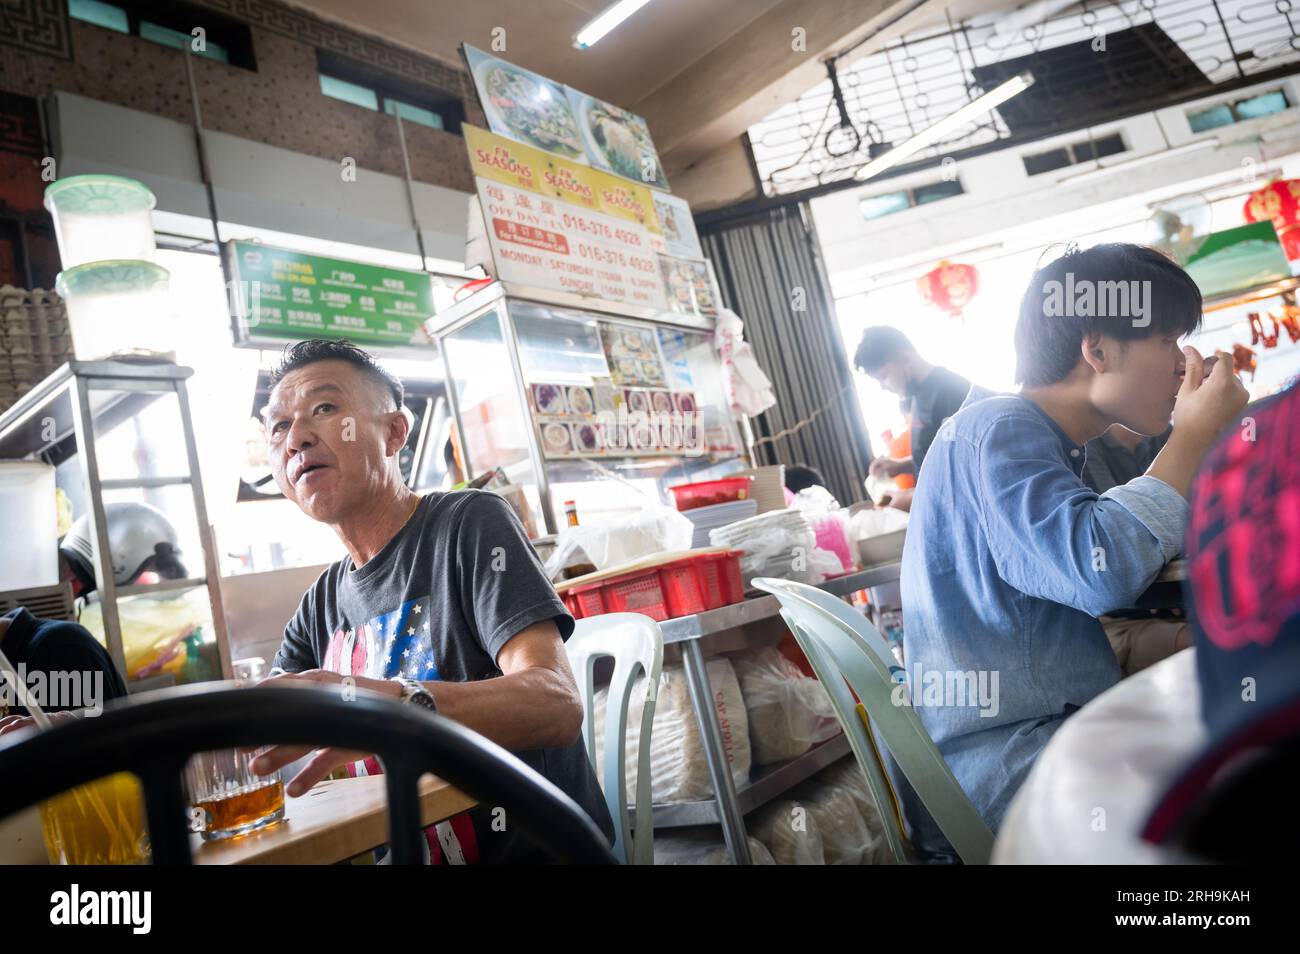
(337, 820)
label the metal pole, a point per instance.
(205, 173)
(724, 789)
(84, 429)
(211, 563)
(410, 194)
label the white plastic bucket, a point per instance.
(116, 307)
(98, 217)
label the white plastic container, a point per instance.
(117, 307)
(99, 217)
(28, 513)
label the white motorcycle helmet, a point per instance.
(140, 538)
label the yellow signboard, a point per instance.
(506, 161)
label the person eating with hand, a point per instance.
(1010, 557)
(441, 601)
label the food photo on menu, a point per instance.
(617, 140)
(689, 284)
(524, 106)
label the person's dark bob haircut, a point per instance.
(880, 344)
(1125, 291)
(302, 353)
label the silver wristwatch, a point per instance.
(415, 694)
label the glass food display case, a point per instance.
(575, 398)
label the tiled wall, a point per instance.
(42, 50)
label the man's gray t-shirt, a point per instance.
(441, 598)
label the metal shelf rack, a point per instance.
(62, 417)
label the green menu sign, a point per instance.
(281, 294)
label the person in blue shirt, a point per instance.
(1010, 557)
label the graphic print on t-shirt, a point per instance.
(396, 643)
(399, 643)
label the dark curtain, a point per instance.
(771, 275)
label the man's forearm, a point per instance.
(532, 709)
(1177, 461)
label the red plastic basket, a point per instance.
(709, 492)
(692, 584)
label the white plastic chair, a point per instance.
(636, 645)
(841, 645)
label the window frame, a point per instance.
(233, 36)
(447, 104)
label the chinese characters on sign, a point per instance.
(283, 294)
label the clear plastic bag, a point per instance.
(788, 712)
(655, 529)
(679, 771)
(789, 831)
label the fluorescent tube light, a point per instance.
(591, 34)
(928, 137)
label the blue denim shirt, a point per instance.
(1009, 561)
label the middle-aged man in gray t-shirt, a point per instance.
(440, 594)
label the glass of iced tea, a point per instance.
(101, 823)
(227, 799)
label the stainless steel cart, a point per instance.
(62, 419)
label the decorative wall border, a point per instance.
(37, 26)
(306, 27)
(42, 27)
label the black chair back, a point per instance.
(154, 735)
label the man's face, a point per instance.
(331, 433)
(893, 377)
(1140, 382)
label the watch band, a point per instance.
(415, 694)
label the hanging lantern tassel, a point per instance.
(949, 287)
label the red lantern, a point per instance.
(1279, 203)
(949, 287)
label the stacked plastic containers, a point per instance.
(117, 297)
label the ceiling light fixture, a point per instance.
(592, 33)
(928, 137)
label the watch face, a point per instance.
(416, 694)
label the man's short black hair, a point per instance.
(302, 353)
(1093, 291)
(880, 345)
(801, 476)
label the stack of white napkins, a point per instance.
(718, 515)
(777, 543)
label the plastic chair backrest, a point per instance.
(636, 645)
(841, 646)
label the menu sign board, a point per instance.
(548, 243)
(524, 106)
(551, 224)
(677, 226)
(616, 140)
(513, 164)
(286, 295)
(539, 112)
